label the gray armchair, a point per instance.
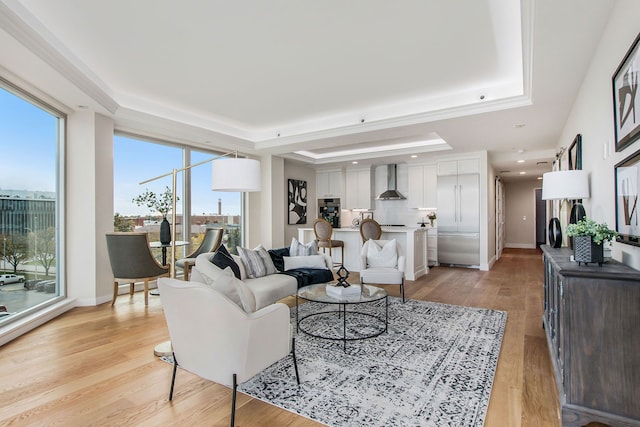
(210, 243)
(132, 261)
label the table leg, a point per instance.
(164, 255)
(344, 328)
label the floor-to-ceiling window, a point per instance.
(198, 207)
(31, 143)
(213, 208)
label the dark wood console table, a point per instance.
(592, 323)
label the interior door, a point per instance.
(499, 218)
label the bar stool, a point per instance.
(323, 231)
(370, 229)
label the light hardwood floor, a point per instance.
(95, 365)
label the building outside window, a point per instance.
(137, 159)
(30, 241)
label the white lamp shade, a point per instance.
(235, 174)
(570, 185)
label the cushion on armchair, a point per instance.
(381, 254)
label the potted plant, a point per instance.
(432, 218)
(588, 237)
(162, 204)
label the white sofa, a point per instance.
(266, 290)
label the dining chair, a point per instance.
(210, 242)
(323, 232)
(132, 261)
(370, 229)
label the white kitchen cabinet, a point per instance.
(423, 186)
(432, 247)
(358, 189)
(457, 167)
(329, 184)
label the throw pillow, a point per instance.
(382, 253)
(266, 258)
(222, 259)
(252, 263)
(238, 260)
(225, 285)
(247, 297)
(257, 262)
(308, 261)
(196, 276)
(299, 249)
(276, 257)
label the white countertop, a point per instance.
(384, 229)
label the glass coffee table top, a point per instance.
(318, 293)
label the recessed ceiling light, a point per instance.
(523, 173)
(540, 178)
(414, 156)
(355, 162)
(520, 161)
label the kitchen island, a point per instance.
(411, 240)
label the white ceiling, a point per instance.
(366, 80)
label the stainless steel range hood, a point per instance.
(392, 178)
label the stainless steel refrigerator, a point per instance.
(459, 219)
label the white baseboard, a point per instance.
(32, 321)
(520, 245)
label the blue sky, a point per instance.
(27, 141)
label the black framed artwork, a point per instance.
(575, 153)
(297, 208)
(625, 97)
(627, 176)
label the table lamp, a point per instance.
(564, 186)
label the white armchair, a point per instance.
(215, 339)
(383, 264)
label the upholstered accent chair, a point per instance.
(132, 261)
(323, 231)
(370, 229)
(210, 243)
(216, 339)
(382, 262)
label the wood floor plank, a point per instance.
(94, 366)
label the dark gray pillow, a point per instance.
(223, 259)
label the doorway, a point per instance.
(541, 218)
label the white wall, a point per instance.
(89, 206)
(295, 170)
(592, 116)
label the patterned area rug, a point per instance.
(434, 367)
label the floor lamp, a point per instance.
(564, 186)
(232, 174)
